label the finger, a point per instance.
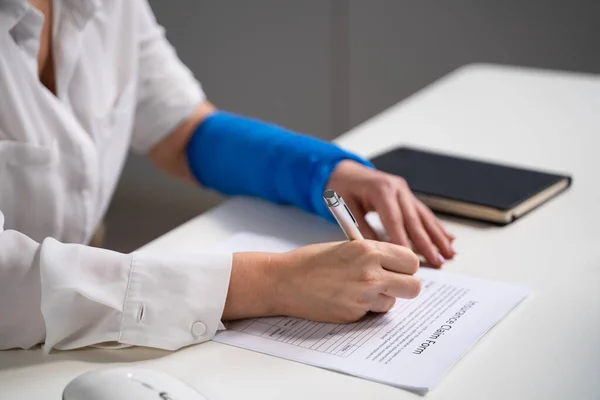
(402, 286)
(450, 236)
(359, 215)
(417, 232)
(383, 303)
(397, 258)
(391, 217)
(435, 231)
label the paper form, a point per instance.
(412, 346)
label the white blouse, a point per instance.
(119, 83)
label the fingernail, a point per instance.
(453, 249)
(441, 258)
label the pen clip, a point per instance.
(334, 200)
(350, 213)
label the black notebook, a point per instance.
(472, 188)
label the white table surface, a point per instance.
(547, 348)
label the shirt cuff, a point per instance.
(172, 302)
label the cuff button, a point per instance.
(198, 329)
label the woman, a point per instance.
(82, 81)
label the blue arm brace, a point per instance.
(236, 155)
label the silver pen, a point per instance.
(342, 215)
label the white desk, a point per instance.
(548, 348)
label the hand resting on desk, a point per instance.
(406, 219)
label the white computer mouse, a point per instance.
(128, 383)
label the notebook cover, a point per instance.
(467, 180)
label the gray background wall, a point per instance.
(323, 66)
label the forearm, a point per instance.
(253, 286)
(169, 155)
(71, 296)
(236, 155)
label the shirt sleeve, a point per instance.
(168, 93)
(70, 296)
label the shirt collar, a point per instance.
(12, 11)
